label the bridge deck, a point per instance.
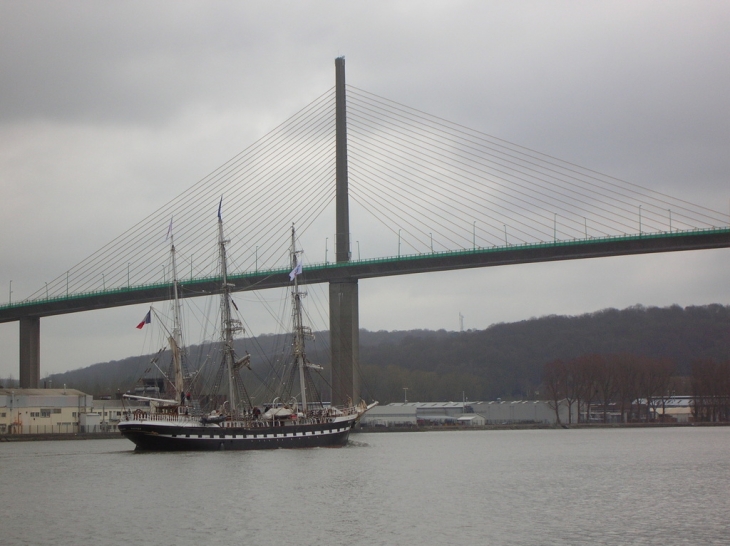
(381, 267)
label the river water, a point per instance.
(512, 487)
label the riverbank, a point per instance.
(536, 426)
(525, 426)
(59, 436)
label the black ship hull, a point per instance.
(150, 436)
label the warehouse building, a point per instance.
(466, 413)
(678, 409)
(392, 415)
(523, 411)
(43, 411)
(471, 420)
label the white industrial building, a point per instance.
(42, 411)
(471, 420)
(54, 411)
(392, 415)
(523, 411)
(466, 413)
(110, 413)
(672, 408)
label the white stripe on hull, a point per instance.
(170, 437)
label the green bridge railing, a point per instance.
(389, 259)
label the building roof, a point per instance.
(431, 404)
(392, 410)
(437, 418)
(42, 392)
(470, 417)
(48, 398)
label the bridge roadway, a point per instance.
(365, 269)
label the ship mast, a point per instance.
(176, 339)
(228, 326)
(299, 329)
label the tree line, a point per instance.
(635, 385)
(503, 361)
(710, 382)
(620, 379)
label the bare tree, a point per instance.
(654, 377)
(575, 386)
(587, 374)
(554, 380)
(711, 390)
(627, 382)
(606, 381)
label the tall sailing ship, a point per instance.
(177, 423)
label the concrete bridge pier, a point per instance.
(345, 341)
(30, 352)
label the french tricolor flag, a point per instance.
(147, 319)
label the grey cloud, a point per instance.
(108, 109)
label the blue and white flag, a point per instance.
(296, 271)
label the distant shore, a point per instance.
(535, 426)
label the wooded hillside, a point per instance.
(504, 360)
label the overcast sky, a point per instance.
(110, 109)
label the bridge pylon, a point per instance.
(343, 294)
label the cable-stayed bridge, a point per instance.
(432, 194)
